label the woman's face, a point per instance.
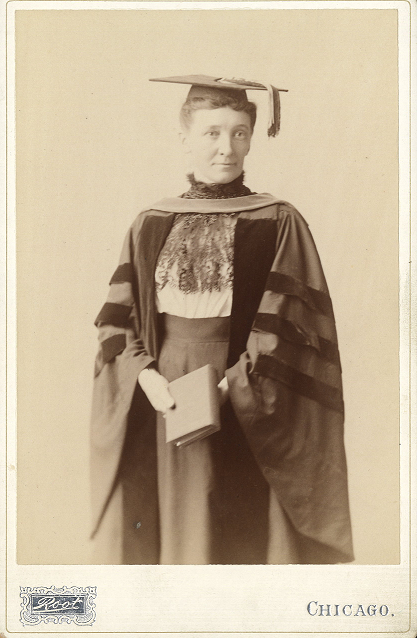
(218, 141)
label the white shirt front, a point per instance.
(194, 273)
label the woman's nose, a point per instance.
(225, 145)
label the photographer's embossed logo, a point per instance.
(57, 605)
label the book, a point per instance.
(196, 413)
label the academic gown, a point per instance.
(284, 372)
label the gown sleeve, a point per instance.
(121, 356)
(286, 390)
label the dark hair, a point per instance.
(210, 102)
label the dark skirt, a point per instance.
(215, 506)
(213, 500)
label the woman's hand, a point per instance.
(155, 386)
(223, 387)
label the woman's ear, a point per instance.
(184, 141)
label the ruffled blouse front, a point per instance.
(194, 273)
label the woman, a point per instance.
(224, 276)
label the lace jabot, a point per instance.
(201, 190)
(198, 254)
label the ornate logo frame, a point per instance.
(58, 605)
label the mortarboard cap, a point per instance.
(206, 85)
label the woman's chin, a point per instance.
(223, 175)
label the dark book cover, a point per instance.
(197, 411)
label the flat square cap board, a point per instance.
(209, 86)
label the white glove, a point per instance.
(223, 387)
(155, 386)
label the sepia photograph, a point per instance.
(208, 244)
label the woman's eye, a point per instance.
(240, 135)
(212, 133)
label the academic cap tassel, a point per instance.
(274, 110)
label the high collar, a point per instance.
(202, 190)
